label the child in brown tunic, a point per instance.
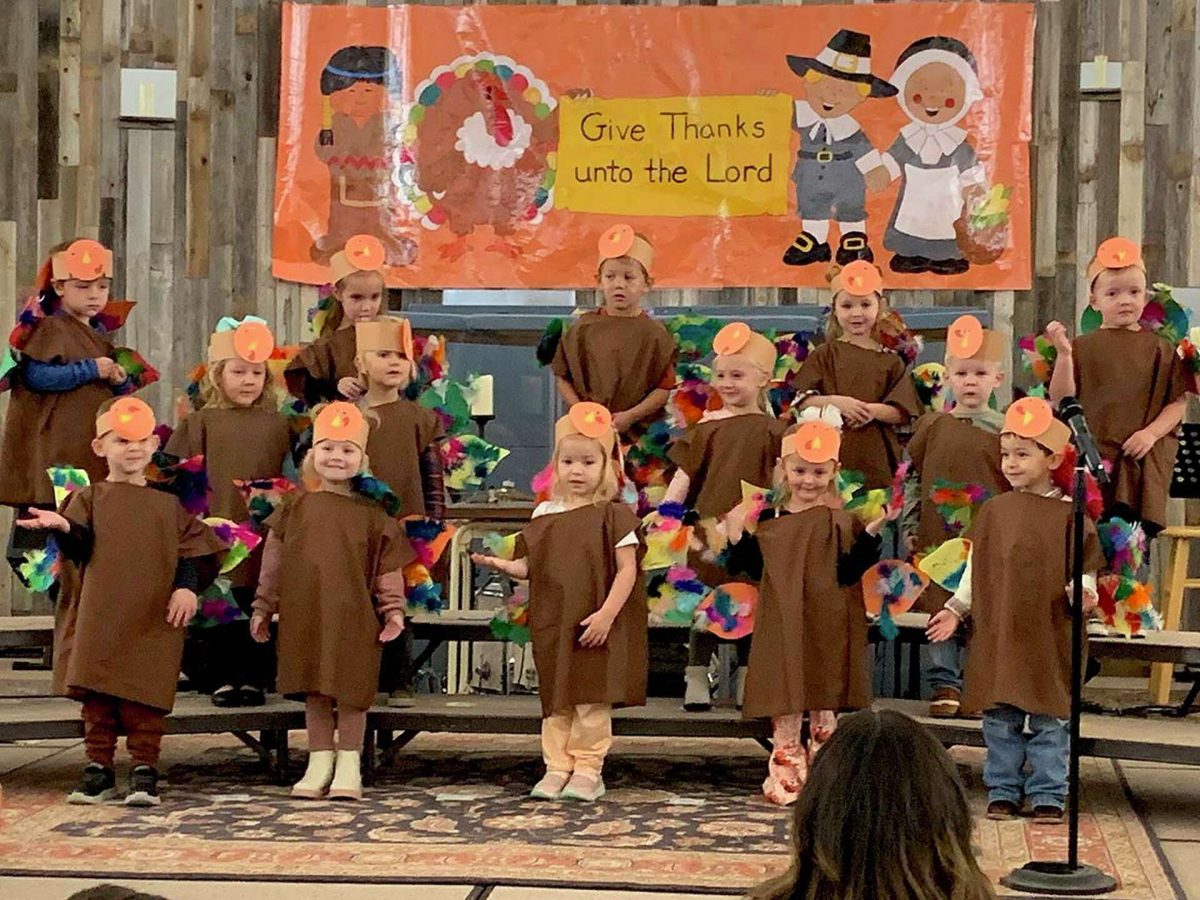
(851, 370)
(587, 612)
(1016, 588)
(404, 453)
(242, 436)
(1131, 384)
(118, 639)
(325, 370)
(956, 467)
(66, 373)
(810, 638)
(618, 356)
(739, 442)
(332, 569)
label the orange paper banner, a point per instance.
(490, 146)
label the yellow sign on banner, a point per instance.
(675, 156)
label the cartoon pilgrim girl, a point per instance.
(836, 162)
(938, 82)
(358, 85)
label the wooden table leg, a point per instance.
(1161, 674)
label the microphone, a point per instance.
(1071, 413)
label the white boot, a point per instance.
(316, 777)
(739, 686)
(347, 780)
(697, 696)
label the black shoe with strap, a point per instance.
(98, 784)
(853, 246)
(805, 250)
(143, 787)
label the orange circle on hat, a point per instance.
(815, 442)
(860, 278)
(253, 342)
(365, 252)
(86, 259)
(590, 419)
(731, 339)
(617, 241)
(965, 336)
(1029, 417)
(1118, 253)
(339, 422)
(131, 418)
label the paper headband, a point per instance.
(622, 240)
(859, 278)
(249, 340)
(812, 441)
(129, 417)
(966, 338)
(1032, 417)
(384, 333)
(590, 420)
(341, 421)
(85, 260)
(1115, 253)
(737, 338)
(362, 253)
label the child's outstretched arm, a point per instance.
(566, 390)
(944, 622)
(389, 603)
(600, 623)
(1062, 380)
(677, 490)
(266, 598)
(1142, 441)
(513, 568)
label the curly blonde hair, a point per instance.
(833, 328)
(609, 486)
(212, 396)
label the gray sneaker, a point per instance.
(143, 787)
(97, 785)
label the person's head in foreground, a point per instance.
(882, 816)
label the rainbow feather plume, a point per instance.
(240, 540)
(263, 496)
(378, 492)
(318, 314)
(894, 335)
(503, 546)
(449, 400)
(728, 611)
(930, 382)
(1124, 545)
(468, 460)
(547, 345)
(41, 568)
(1064, 479)
(1038, 356)
(1126, 605)
(956, 503)
(140, 372)
(672, 595)
(114, 315)
(511, 621)
(946, 564)
(217, 606)
(186, 479)
(890, 588)
(66, 480)
(542, 482)
(694, 335)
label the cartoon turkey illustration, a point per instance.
(479, 150)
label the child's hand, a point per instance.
(181, 608)
(260, 628)
(1091, 600)
(118, 375)
(392, 628)
(1056, 333)
(1138, 444)
(942, 625)
(599, 624)
(853, 410)
(104, 367)
(734, 523)
(45, 518)
(351, 388)
(622, 422)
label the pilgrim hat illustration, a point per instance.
(846, 56)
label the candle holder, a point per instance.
(481, 422)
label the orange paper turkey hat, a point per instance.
(813, 441)
(622, 240)
(362, 253)
(739, 339)
(859, 278)
(590, 420)
(84, 259)
(1032, 417)
(129, 417)
(966, 338)
(384, 333)
(250, 340)
(1115, 253)
(341, 421)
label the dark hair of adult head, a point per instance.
(882, 816)
(350, 65)
(113, 892)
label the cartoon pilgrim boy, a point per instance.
(357, 85)
(938, 82)
(836, 162)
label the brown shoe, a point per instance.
(1003, 810)
(1049, 815)
(946, 703)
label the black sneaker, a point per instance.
(97, 785)
(248, 695)
(226, 695)
(143, 787)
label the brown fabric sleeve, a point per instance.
(388, 591)
(686, 451)
(77, 508)
(667, 382)
(919, 442)
(388, 584)
(266, 599)
(559, 365)
(310, 376)
(903, 393)
(812, 374)
(1179, 380)
(277, 520)
(625, 522)
(521, 550)
(187, 440)
(50, 342)
(430, 427)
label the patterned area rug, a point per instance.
(449, 812)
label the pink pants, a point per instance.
(787, 769)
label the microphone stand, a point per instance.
(1070, 878)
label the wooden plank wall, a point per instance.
(187, 207)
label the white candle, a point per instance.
(482, 403)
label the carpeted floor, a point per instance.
(451, 812)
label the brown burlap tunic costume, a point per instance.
(400, 432)
(810, 633)
(333, 571)
(1124, 379)
(53, 429)
(111, 634)
(873, 376)
(572, 563)
(314, 374)
(1019, 652)
(237, 444)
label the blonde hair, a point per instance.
(605, 492)
(337, 314)
(360, 367)
(764, 392)
(833, 328)
(212, 396)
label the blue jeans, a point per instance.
(945, 664)
(1009, 750)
